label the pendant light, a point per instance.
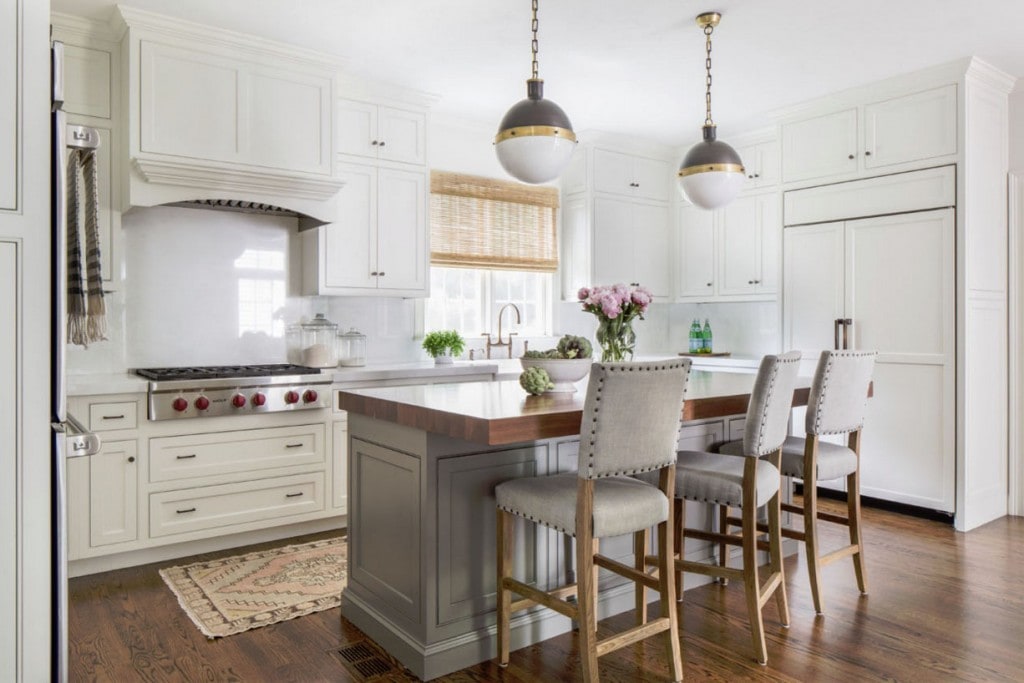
(535, 139)
(711, 174)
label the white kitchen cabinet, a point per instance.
(379, 132)
(88, 74)
(113, 493)
(629, 241)
(730, 254)
(9, 99)
(893, 277)
(891, 132)
(379, 244)
(761, 163)
(633, 176)
(9, 564)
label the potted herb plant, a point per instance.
(444, 345)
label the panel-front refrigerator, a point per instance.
(70, 438)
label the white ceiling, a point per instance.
(628, 66)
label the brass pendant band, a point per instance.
(527, 131)
(710, 168)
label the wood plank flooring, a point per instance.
(942, 606)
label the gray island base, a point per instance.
(422, 467)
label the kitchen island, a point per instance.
(423, 464)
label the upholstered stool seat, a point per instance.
(622, 505)
(834, 461)
(710, 478)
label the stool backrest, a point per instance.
(631, 417)
(770, 404)
(839, 393)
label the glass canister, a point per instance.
(293, 343)
(352, 348)
(318, 348)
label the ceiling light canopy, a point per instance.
(711, 173)
(535, 139)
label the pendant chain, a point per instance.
(707, 67)
(533, 46)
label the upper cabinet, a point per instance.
(862, 139)
(217, 115)
(380, 132)
(761, 162)
(616, 222)
(9, 99)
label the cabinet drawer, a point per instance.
(201, 455)
(178, 512)
(105, 417)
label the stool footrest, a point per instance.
(633, 635)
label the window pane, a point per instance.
(458, 299)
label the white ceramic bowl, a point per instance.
(564, 372)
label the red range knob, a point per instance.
(259, 399)
(291, 397)
(310, 396)
(180, 404)
(238, 401)
(202, 403)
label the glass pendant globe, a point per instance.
(535, 158)
(711, 189)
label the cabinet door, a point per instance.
(356, 129)
(285, 121)
(402, 257)
(900, 296)
(653, 178)
(613, 172)
(613, 242)
(820, 147)
(767, 169)
(402, 135)
(87, 81)
(650, 252)
(10, 285)
(575, 258)
(695, 260)
(739, 258)
(910, 128)
(769, 222)
(9, 99)
(813, 289)
(113, 494)
(348, 254)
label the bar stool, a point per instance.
(747, 483)
(837, 404)
(631, 418)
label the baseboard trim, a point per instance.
(878, 503)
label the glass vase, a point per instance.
(616, 338)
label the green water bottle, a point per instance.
(706, 336)
(696, 342)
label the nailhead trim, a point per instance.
(819, 408)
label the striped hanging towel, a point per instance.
(87, 320)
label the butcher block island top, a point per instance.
(499, 413)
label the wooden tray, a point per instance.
(714, 354)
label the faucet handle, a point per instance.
(510, 335)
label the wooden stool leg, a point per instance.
(752, 585)
(506, 550)
(595, 548)
(640, 564)
(811, 519)
(853, 513)
(666, 562)
(723, 548)
(679, 514)
(586, 606)
(775, 541)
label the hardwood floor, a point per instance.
(942, 607)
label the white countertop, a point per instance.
(129, 383)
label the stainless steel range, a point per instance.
(176, 393)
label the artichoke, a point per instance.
(532, 353)
(536, 381)
(571, 346)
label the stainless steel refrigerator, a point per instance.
(70, 438)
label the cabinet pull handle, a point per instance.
(293, 495)
(381, 273)
(374, 274)
(186, 510)
(382, 143)
(757, 175)
(374, 143)
(851, 156)
(113, 417)
(185, 457)
(710, 283)
(131, 458)
(292, 445)
(867, 153)
(750, 282)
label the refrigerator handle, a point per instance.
(847, 324)
(836, 323)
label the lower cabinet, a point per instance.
(339, 464)
(103, 497)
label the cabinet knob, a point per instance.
(851, 156)
(374, 274)
(374, 143)
(131, 458)
(709, 284)
(750, 282)
(757, 175)
(381, 273)
(382, 143)
(867, 153)
(757, 282)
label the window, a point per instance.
(492, 243)
(261, 290)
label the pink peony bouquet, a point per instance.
(616, 306)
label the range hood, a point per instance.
(218, 119)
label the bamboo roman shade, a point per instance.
(485, 223)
